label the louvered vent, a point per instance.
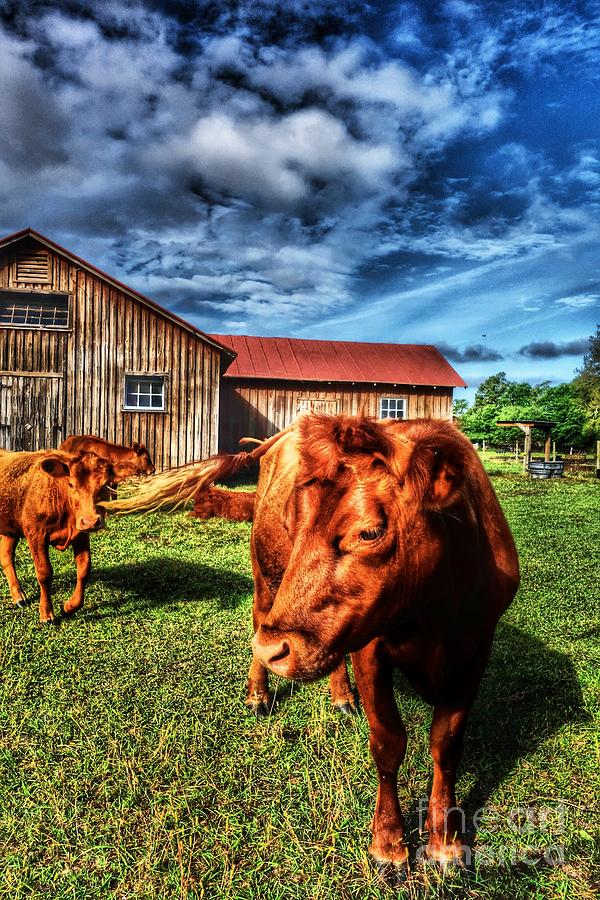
(32, 268)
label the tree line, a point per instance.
(574, 406)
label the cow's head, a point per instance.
(86, 477)
(361, 519)
(143, 463)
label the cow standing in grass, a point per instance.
(125, 461)
(386, 540)
(50, 498)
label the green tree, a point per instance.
(459, 409)
(491, 391)
(561, 404)
(587, 387)
(498, 399)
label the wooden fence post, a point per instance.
(527, 449)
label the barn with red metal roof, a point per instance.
(273, 379)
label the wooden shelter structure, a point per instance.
(274, 379)
(527, 426)
(82, 353)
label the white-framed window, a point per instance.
(145, 392)
(392, 408)
(34, 309)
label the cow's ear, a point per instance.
(434, 476)
(54, 466)
(135, 446)
(446, 482)
(140, 450)
(428, 457)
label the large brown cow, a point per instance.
(49, 497)
(385, 540)
(125, 461)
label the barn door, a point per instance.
(32, 412)
(317, 404)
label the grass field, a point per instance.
(130, 769)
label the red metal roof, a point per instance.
(296, 359)
(166, 313)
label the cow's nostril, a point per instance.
(280, 653)
(90, 523)
(275, 655)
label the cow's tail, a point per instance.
(176, 487)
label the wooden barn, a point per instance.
(82, 353)
(272, 380)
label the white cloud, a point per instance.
(579, 301)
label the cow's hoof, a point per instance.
(445, 856)
(259, 708)
(347, 708)
(392, 873)
(67, 613)
(22, 603)
(52, 621)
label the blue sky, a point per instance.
(410, 172)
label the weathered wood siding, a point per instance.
(110, 334)
(260, 408)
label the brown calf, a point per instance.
(125, 461)
(235, 505)
(49, 497)
(386, 540)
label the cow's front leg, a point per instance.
(258, 698)
(373, 672)
(39, 551)
(342, 695)
(444, 819)
(83, 561)
(7, 557)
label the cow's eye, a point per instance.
(371, 534)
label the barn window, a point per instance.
(34, 309)
(392, 408)
(145, 392)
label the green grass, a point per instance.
(130, 769)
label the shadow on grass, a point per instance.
(528, 693)
(165, 581)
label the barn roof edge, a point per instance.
(119, 285)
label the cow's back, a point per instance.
(89, 443)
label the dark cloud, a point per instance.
(474, 353)
(552, 350)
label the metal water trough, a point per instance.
(538, 468)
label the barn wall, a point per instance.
(260, 408)
(109, 335)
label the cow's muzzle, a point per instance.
(275, 655)
(290, 655)
(90, 523)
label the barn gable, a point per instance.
(82, 353)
